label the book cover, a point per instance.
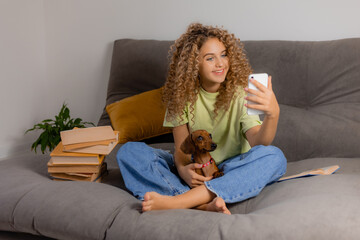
(85, 135)
(314, 172)
(58, 156)
(86, 144)
(98, 147)
(69, 160)
(64, 180)
(70, 168)
(88, 177)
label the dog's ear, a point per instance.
(188, 146)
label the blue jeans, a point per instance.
(145, 169)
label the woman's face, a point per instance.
(213, 64)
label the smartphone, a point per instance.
(261, 78)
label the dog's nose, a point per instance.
(213, 146)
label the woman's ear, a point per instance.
(188, 145)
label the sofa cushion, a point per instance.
(318, 132)
(138, 117)
(32, 203)
(317, 87)
(69, 210)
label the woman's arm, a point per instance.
(266, 101)
(180, 134)
(183, 163)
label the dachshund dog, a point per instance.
(199, 144)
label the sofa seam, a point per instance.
(212, 226)
(110, 222)
(12, 223)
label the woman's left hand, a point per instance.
(263, 99)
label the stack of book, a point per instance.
(80, 154)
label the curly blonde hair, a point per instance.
(183, 83)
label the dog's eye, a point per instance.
(200, 138)
(210, 136)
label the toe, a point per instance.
(147, 196)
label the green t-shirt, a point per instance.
(228, 129)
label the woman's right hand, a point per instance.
(188, 174)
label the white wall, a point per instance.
(54, 51)
(22, 72)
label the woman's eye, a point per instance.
(209, 59)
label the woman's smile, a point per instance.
(219, 72)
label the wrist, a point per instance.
(273, 117)
(274, 114)
(180, 164)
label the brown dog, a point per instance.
(199, 144)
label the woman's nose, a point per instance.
(219, 62)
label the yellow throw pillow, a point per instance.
(138, 117)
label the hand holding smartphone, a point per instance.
(261, 78)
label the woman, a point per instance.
(205, 89)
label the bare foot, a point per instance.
(217, 205)
(194, 197)
(155, 201)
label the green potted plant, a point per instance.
(50, 137)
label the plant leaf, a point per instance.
(35, 144)
(77, 121)
(50, 137)
(47, 120)
(44, 141)
(66, 113)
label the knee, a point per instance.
(278, 159)
(129, 150)
(131, 147)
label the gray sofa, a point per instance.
(318, 87)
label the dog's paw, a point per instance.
(218, 174)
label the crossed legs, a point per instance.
(148, 174)
(200, 198)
